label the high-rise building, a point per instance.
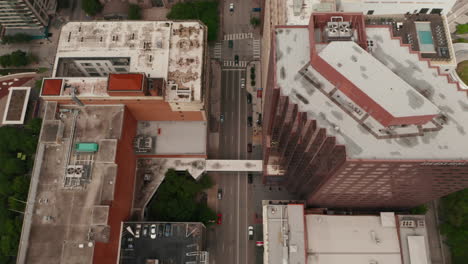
(25, 16)
(360, 112)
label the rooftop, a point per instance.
(367, 74)
(298, 11)
(160, 49)
(443, 138)
(15, 110)
(68, 213)
(125, 82)
(284, 234)
(181, 244)
(351, 239)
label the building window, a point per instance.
(370, 12)
(424, 11)
(86, 64)
(120, 69)
(94, 74)
(91, 70)
(98, 64)
(436, 11)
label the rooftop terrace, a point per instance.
(164, 49)
(444, 138)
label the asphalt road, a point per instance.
(232, 245)
(237, 21)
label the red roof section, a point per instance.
(125, 82)
(51, 87)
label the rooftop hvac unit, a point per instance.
(333, 29)
(75, 171)
(408, 223)
(421, 223)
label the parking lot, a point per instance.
(168, 242)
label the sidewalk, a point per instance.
(256, 101)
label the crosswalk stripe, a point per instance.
(235, 36)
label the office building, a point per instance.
(25, 16)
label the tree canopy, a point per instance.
(14, 183)
(454, 213)
(91, 7)
(17, 58)
(134, 12)
(206, 11)
(176, 199)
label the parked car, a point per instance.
(160, 230)
(137, 230)
(249, 147)
(250, 178)
(220, 194)
(259, 120)
(130, 244)
(221, 118)
(219, 221)
(249, 121)
(167, 230)
(256, 9)
(145, 230)
(236, 59)
(249, 98)
(153, 231)
(231, 7)
(242, 83)
(251, 232)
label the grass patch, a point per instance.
(462, 70)
(462, 29)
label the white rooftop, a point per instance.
(298, 11)
(351, 239)
(449, 143)
(284, 234)
(161, 49)
(376, 80)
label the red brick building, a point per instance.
(355, 118)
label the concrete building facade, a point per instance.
(340, 144)
(25, 16)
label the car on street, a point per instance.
(259, 120)
(219, 220)
(137, 230)
(242, 83)
(249, 147)
(220, 194)
(145, 230)
(231, 7)
(160, 230)
(153, 231)
(231, 43)
(167, 230)
(250, 178)
(249, 121)
(236, 59)
(221, 118)
(130, 244)
(249, 98)
(251, 232)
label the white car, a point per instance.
(153, 231)
(251, 232)
(242, 83)
(231, 7)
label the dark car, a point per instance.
(249, 147)
(259, 120)
(236, 59)
(249, 98)
(220, 194)
(221, 118)
(167, 230)
(250, 178)
(231, 43)
(249, 121)
(160, 230)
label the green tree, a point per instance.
(91, 7)
(462, 29)
(422, 209)
(13, 166)
(5, 60)
(255, 21)
(454, 213)
(35, 124)
(18, 58)
(205, 11)
(134, 12)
